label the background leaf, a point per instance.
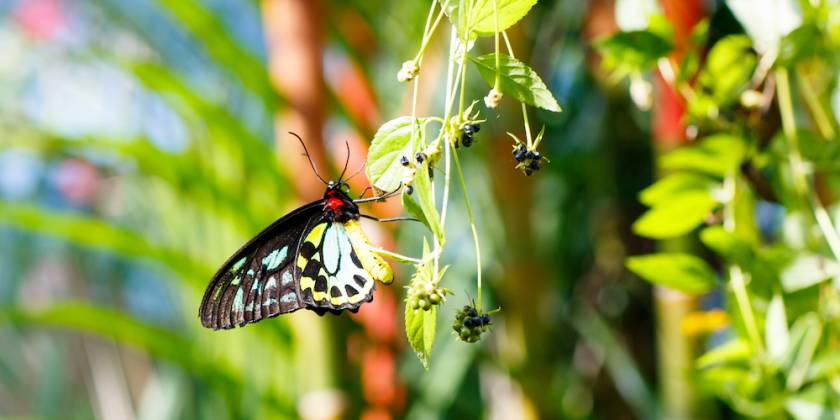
(684, 272)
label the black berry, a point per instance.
(431, 173)
(403, 160)
(467, 140)
(409, 189)
(420, 157)
(535, 165)
(528, 172)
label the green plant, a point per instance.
(404, 152)
(754, 192)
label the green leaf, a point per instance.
(776, 329)
(95, 233)
(633, 51)
(392, 141)
(684, 272)
(808, 270)
(674, 185)
(425, 195)
(728, 69)
(733, 351)
(805, 334)
(803, 42)
(414, 209)
(728, 245)
(676, 217)
(716, 155)
(482, 16)
(160, 343)
(517, 80)
(813, 402)
(420, 328)
(196, 18)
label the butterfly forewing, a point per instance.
(260, 280)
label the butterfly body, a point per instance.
(316, 258)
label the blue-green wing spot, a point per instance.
(260, 280)
(332, 278)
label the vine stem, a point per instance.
(798, 171)
(531, 145)
(472, 225)
(464, 66)
(427, 35)
(498, 82)
(737, 278)
(416, 81)
(817, 111)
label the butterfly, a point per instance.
(317, 257)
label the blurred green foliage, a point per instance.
(103, 289)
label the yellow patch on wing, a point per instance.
(343, 243)
(374, 264)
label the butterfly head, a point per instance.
(338, 205)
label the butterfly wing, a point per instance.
(332, 275)
(260, 279)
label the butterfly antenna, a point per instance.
(308, 157)
(358, 171)
(346, 162)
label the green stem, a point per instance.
(797, 165)
(427, 36)
(818, 113)
(464, 66)
(524, 109)
(472, 225)
(498, 82)
(737, 278)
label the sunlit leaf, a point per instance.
(675, 185)
(808, 270)
(776, 329)
(517, 80)
(684, 272)
(675, 217)
(805, 334)
(482, 15)
(633, 51)
(728, 69)
(735, 350)
(420, 329)
(390, 143)
(425, 197)
(716, 155)
(728, 245)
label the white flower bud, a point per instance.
(408, 71)
(493, 98)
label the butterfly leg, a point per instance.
(380, 197)
(365, 191)
(389, 219)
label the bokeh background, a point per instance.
(141, 142)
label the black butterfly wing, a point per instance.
(260, 280)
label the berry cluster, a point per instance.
(466, 134)
(424, 295)
(469, 324)
(529, 161)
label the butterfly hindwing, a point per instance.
(332, 277)
(259, 280)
